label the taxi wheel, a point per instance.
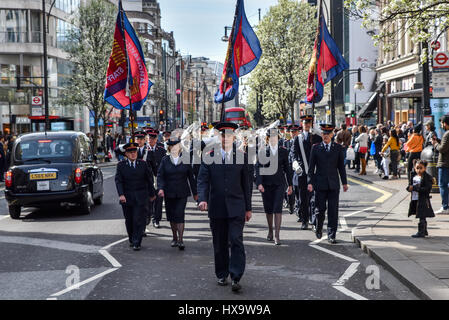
(86, 205)
(14, 212)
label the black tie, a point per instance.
(327, 148)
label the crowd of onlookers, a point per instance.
(392, 147)
(6, 143)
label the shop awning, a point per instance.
(415, 93)
(370, 105)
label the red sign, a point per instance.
(178, 91)
(36, 101)
(436, 45)
(441, 60)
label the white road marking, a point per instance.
(348, 274)
(335, 254)
(385, 194)
(53, 244)
(110, 258)
(349, 293)
(52, 298)
(108, 176)
(82, 283)
(4, 217)
(114, 243)
(352, 269)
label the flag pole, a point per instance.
(228, 62)
(316, 64)
(131, 114)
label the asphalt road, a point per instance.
(59, 254)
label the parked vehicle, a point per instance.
(53, 169)
(238, 116)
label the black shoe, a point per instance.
(174, 244)
(331, 240)
(136, 248)
(385, 178)
(419, 235)
(277, 242)
(270, 237)
(222, 282)
(299, 219)
(304, 226)
(319, 234)
(236, 286)
(156, 225)
(181, 245)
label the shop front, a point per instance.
(56, 123)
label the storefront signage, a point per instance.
(440, 85)
(439, 108)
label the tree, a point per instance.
(89, 46)
(287, 36)
(423, 20)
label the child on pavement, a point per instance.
(420, 185)
(385, 163)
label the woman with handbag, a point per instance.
(362, 141)
(393, 144)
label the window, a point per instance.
(34, 150)
(13, 26)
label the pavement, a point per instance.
(421, 264)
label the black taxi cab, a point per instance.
(53, 169)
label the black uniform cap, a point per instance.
(130, 146)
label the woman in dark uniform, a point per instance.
(273, 185)
(173, 180)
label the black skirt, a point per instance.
(273, 198)
(175, 209)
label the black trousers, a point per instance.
(357, 161)
(155, 210)
(304, 200)
(327, 199)
(135, 220)
(227, 233)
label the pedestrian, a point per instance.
(443, 165)
(414, 146)
(420, 185)
(156, 153)
(300, 153)
(343, 138)
(385, 163)
(355, 146)
(134, 183)
(273, 185)
(109, 145)
(224, 191)
(2, 158)
(430, 134)
(362, 146)
(292, 199)
(393, 144)
(326, 166)
(165, 137)
(176, 182)
(378, 140)
(142, 151)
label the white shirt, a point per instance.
(175, 160)
(274, 149)
(328, 148)
(132, 163)
(224, 153)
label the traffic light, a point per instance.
(161, 115)
(352, 114)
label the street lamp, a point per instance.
(225, 38)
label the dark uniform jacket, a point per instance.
(284, 170)
(135, 184)
(225, 188)
(155, 157)
(422, 209)
(325, 166)
(295, 152)
(140, 154)
(173, 179)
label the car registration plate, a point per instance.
(43, 176)
(43, 185)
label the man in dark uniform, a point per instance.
(134, 182)
(224, 190)
(303, 144)
(294, 131)
(141, 145)
(155, 154)
(282, 137)
(326, 165)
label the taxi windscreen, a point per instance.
(47, 150)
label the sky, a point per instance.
(198, 25)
